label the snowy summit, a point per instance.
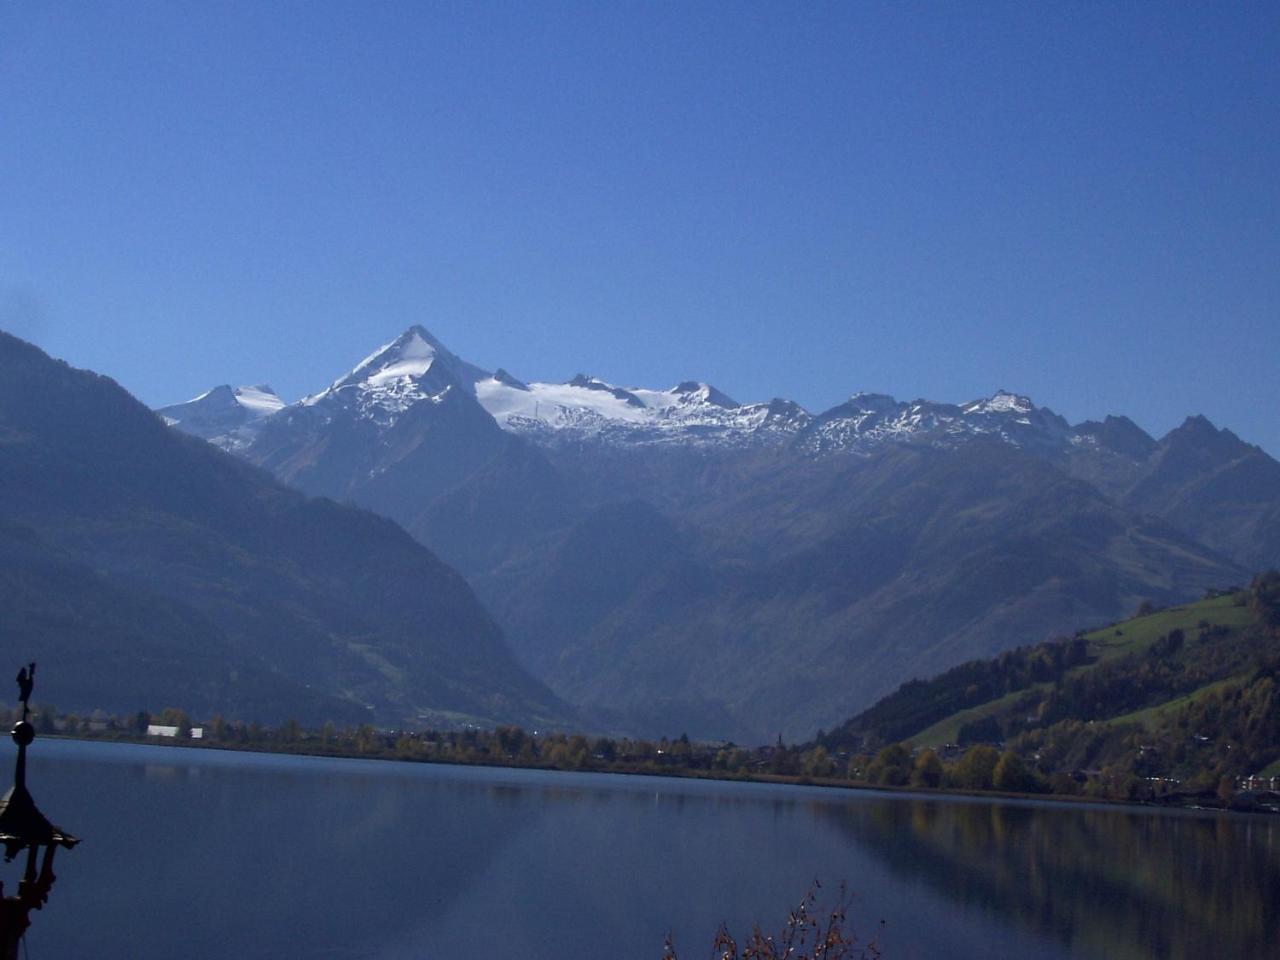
(225, 416)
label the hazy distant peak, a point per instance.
(1198, 422)
(594, 383)
(1002, 401)
(503, 377)
(226, 416)
(698, 392)
(222, 391)
(258, 400)
(414, 366)
(219, 394)
(872, 402)
(1201, 433)
(1119, 434)
(781, 407)
(410, 354)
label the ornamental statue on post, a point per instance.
(24, 827)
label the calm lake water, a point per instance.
(205, 854)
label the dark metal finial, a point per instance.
(26, 680)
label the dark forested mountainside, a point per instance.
(144, 568)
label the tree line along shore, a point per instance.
(1177, 707)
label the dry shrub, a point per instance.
(811, 933)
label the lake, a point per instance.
(209, 854)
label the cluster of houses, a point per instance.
(163, 730)
(1258, 782)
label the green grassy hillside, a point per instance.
(1185, 693)
(1133, 637)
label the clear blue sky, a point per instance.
(1079, 202)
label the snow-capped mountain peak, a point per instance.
(253, 402)
(222, 396)
(413, 367)
(226, 416)
(1016, 419)
(692, 391)
(411, 356)
(1001, 402)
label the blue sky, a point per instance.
(1079, 202)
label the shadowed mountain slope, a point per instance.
(1221, 490)
(152, 569)
(828, 583)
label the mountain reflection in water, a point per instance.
(204, 854)
(1104, 881)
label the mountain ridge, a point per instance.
(697, 412)
(820, 535)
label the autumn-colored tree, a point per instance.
(892, 766)
(818, 763)
(976, 769)
(1012, 775)
(928, 770)
(1226, 789)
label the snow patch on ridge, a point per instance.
(260, 400)
(590, 408)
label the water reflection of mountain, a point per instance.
(245, 857)
(1104, 882)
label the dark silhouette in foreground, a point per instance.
(23, 826)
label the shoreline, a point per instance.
(1202, 804)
